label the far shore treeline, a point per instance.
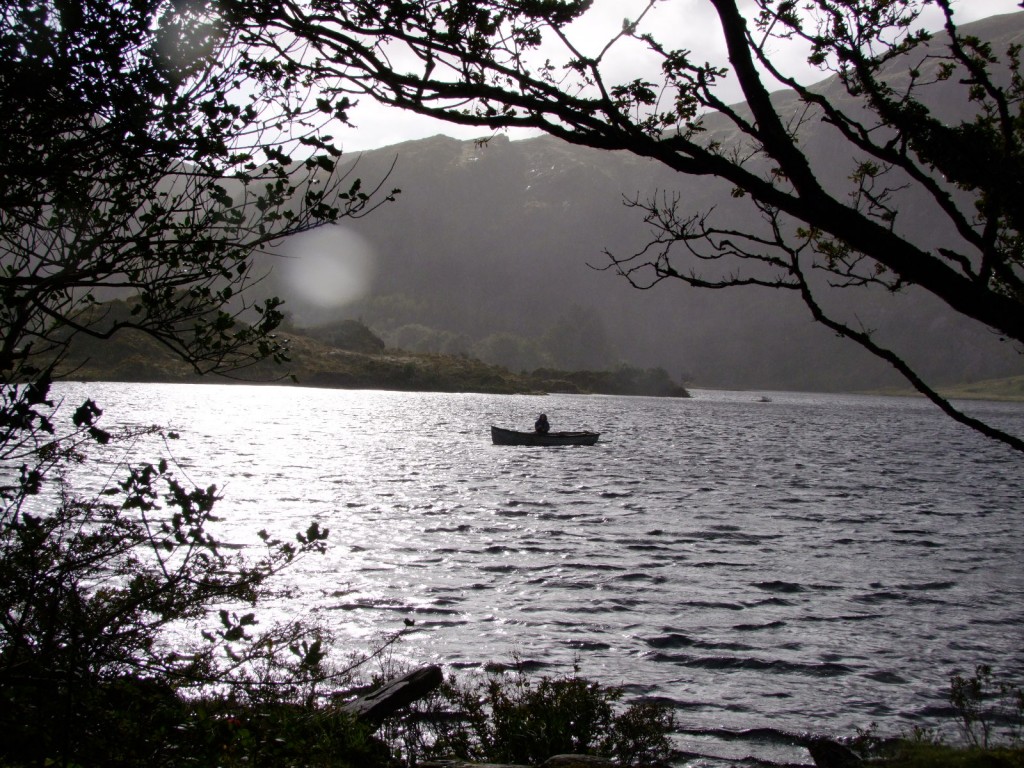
(348, 355)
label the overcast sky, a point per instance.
(687, 23)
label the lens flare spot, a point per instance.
(329, 267)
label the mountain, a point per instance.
(490, 251)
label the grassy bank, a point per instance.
(1010, 389)
(908, 754)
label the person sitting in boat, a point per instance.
(541, 426)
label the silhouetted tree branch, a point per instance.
(522, 64)
(147, 155)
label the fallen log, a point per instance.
(378, 705)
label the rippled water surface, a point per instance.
(810, 563)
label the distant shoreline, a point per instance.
(1006, 390)
(1009, 390)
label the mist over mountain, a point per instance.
(491, 249)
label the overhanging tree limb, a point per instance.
(494, 67)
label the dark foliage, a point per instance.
(512, 718)
(98, 596)
(145, 155)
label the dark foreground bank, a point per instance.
(424, 719)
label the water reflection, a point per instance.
(816, 562)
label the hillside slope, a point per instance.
(490, 251)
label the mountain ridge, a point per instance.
(490, 249)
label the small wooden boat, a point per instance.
(501, 436)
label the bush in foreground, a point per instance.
(990, 716)
(511, 718)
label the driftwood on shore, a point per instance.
(375, 707)
(558, 761)
(828, 753)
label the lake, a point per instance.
(811, 563)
